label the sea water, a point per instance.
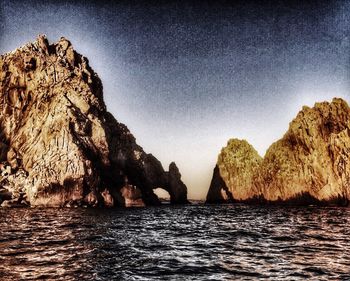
(194, 242)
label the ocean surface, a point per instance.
(196, 242)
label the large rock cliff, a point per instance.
(58, 144)
(309, 165)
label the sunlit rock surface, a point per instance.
(58, 144)
(132, 196)
(233, 175)
(309, 165)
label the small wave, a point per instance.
(176, 243)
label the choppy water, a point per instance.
(176, 243)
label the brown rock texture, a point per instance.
(309, 165)
(236, 165)
(58, 144)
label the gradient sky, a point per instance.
(187, 76)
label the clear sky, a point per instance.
(187, 76)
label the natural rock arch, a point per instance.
(70, 149)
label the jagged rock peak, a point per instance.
(310, 164)
(58, 144)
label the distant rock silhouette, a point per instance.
(309, 165)
(59, 146)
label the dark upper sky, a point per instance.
(186, 76)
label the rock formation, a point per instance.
(58, 144)
(309, 165)
(236, 165)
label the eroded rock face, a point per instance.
(132, 195)
(310, 164)
(232, 179)
(176, 188)
(58, 143)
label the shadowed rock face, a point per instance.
(310, 164)
(58, 144)
(218, 190)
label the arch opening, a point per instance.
(163, 195)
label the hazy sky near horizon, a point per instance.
(187, 76)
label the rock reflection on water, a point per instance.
(228, 242)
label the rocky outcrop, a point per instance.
(309, 165)
(176, 188)
(132, 195)
(58, 144)
(236, 165)
(218, 190)
(233, 174)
